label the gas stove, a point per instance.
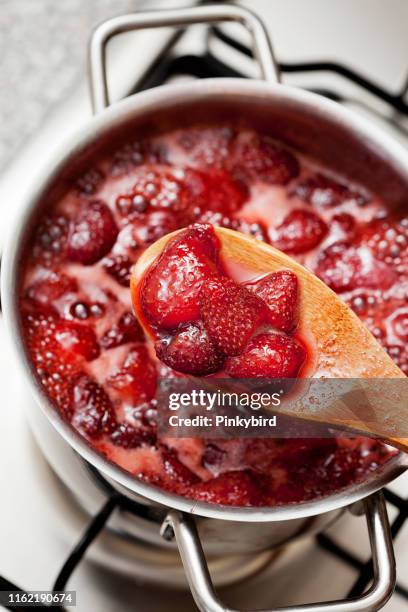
(49, 539)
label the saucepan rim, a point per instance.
(110, 119)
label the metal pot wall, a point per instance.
(307, 123)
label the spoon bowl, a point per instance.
(340, 345)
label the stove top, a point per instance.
(45, 536)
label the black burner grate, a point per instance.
(165, 67)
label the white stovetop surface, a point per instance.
(35, 535)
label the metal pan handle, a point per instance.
(183, 528)
(176, 17)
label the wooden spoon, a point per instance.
(340, 346)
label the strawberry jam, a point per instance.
(89, 351)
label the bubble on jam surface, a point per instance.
(127, 329)
(51, 238)
(321, 190)
(89, 183)
(299, 232)
(207, 146)
(93, 413)
(256, 230)
(259, 158)
(92, 233)
(84, 310)
(136, 153)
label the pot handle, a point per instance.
(174, 17)
(183, 528)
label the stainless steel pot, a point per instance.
(308, 123)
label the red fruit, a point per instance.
(279, 291)
(177, 471)
(118, 267)
(208, 146)
(126, 330)
(136, 379)
(92, 410)
(77, 338)
(170, 290)
(54, 367)
(388, 240)
(343, 226)
(44, 292)
(257, 230)
(92, 234)
(215, 190)
(127, 436)
(190, 351)
(260, 159)
(268, 356)
(300, 231)
(231, 314)
(239, 488)
(156, 187)
(343, 267)
(320, 190)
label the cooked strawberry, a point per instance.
(54, 366)
(92, 234)
(157, 188)
(344, 267)
(300, 231)
(126, 330)
(239, 488)
(190, 351)
(215, 190)
(45, 291)
(127, 436)
(320, 190)
(170, 290)
(118, 267)
(268, 356)
(78, 339)
(208, 146)
(92, 410)
(136, 380)
(231, 314)
(279, 291)
(260, 159)
(177, 471)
